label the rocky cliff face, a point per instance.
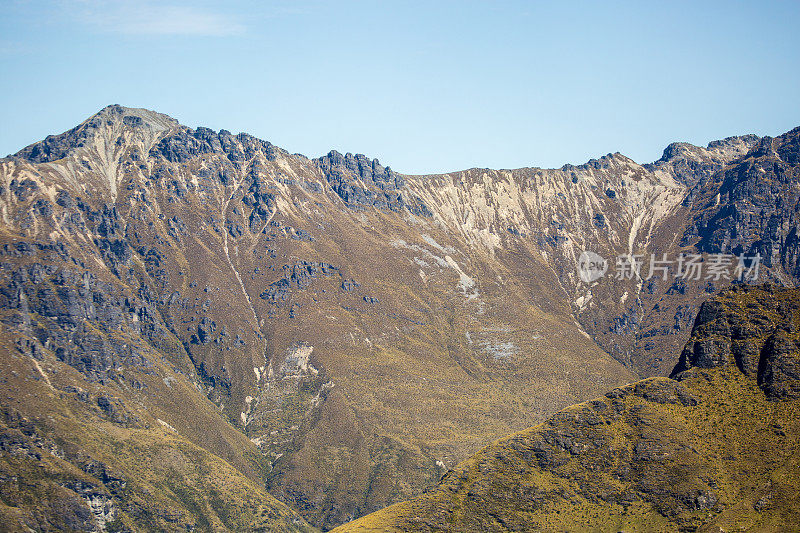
(346, 332)
(752, 206)
(712, 451)
(611, 206)
(753, 330)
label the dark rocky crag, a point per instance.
(759, 336)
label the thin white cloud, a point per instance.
(150, 18)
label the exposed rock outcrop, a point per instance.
(754, 329)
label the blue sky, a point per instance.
(424, 86)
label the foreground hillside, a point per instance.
(714, 449)
(335, 333)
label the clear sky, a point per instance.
(424, 86)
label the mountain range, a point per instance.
(202, 331)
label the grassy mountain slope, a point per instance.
(714, 450)
(85, 457)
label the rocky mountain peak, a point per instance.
(687, 162)
(680, 150)
(136, 117)
(722, 150)
(361, 181)
(735, 146)
(111, 123)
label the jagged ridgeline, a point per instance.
(715, 449)
(183, 311)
